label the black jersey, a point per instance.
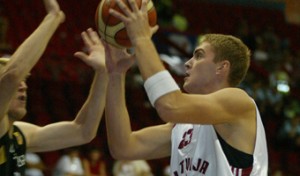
(12, 154)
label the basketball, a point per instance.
(111, 29)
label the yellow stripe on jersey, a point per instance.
(2, 155)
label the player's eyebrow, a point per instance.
(199, 50)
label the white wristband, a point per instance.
(160, 84)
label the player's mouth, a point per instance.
(186, 76)
(22, 98)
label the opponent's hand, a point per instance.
(52, 7)
(135, 20)
(118, 61)
(95, 55)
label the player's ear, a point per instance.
(223, 66)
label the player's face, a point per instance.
(201, 70)
(17, 109)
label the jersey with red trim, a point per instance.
(196, 150)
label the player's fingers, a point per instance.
(123, 7)
(94, 36)
(118, 15)
(144, 6)
(133, 5)
(154, 29)
(86, 39)
(81, 55)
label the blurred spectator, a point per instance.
(280, 79)
(260, 54)
(292, 11)
(93, 163)
(167, 171)
(69, 164)
(273, 42)
(132, 168)
(34, 165)
(289, 134)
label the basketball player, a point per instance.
(214, 129)
(17, 137)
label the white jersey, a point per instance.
(196, 150)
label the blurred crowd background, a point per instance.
(59, 83)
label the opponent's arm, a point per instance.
(84, 127)
(25, 57)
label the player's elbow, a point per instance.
(119, 153)
(166, 111)
(88, 136)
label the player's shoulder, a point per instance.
(238, 98)
(233, 89)
(234, 93)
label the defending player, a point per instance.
(15, 136)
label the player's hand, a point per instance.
(135, 20)
(118, 61)
(52, 7)
(95, 54)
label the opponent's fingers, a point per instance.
(93, 36)
(81, 55)
(86, 39)
(51, 6)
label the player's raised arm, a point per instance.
(149, 143)
(85, 125)
(24, 58)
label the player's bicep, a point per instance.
(28, 130)
(53, 136)
(219, 107)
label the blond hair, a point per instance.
(227, 47)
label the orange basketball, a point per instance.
(111, 29)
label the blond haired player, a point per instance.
(17, 137)
(214, 129)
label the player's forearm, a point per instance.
(25, 58)
(117, 118)
(148, 59)
(29, 52)
(91, 112)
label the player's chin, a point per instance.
(185, 86)
(20, 113)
